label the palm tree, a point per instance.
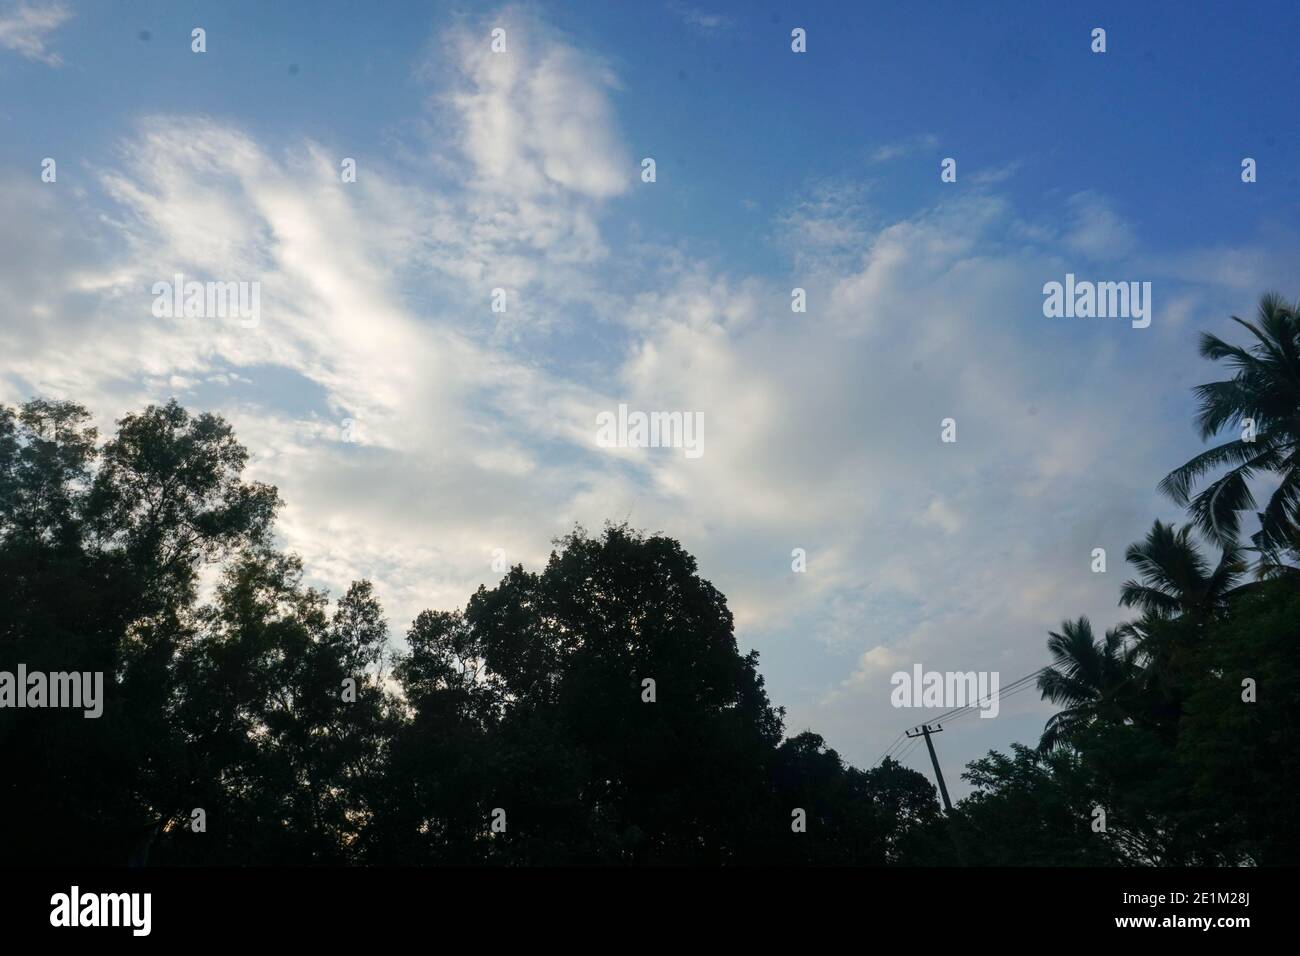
(1176, 580)
(1093, 679)
(1177, 593)
(1264, 391)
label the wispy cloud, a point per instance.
(823, 427)
(904, 147)
(1096, 231)
(702, 21)
(25, 28)
(536, 119)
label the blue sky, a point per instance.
(774, 170)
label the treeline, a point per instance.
(286, 720)
(1178, 741)
(599, 711)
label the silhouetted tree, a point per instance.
(1264, 389)
(1091, 678)
(1175, 577)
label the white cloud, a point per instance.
(25, 28)
(537, 119)
(828, 226)
(703, 21)
(1096, 230)
(822, 429)
(874, 663)
(904, 147)
(940, 514)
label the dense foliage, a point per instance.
(305, 738)
(531, 699)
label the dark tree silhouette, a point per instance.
(1264, 389)
(600, 706)
(598, 710)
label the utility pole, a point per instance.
(926, 730)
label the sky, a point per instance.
(418, 434)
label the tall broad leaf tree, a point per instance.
(1091, 678)
(1179, 594)
(1261, 401)
(1175, 579)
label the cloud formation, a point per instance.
(473, 433)
(25, 28)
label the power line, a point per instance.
(882, 757)
(903, 754)
(1021, 682)
(1003, 693)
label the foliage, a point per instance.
(601, 703)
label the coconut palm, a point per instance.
(1093, 679)
(1176, 579)
(1177, 593)
(1262, 401)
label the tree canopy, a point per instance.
(601, 706)
(600, 710)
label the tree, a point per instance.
(600, 709)
(684, 775)
(602, 704)
(843, 824)
(1093, 679)
(1175, 577)
(100, 551)
(1033, 808)
(907, 805)
(438, 793)
(1118, 796)
(286, 717)
(1264, 389)
(1238, 736)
